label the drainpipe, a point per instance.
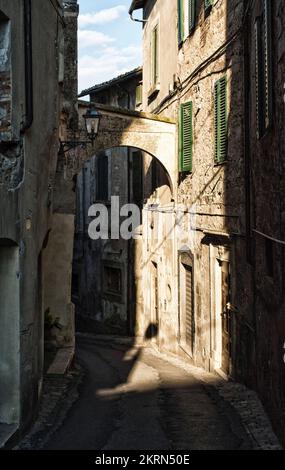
(29, 115)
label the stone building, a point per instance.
(107, 272)
(102, 269)
(210, 66)
(34, 94)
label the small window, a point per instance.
(180, 21)
(102, 178)
(187, 11)
(186, 137)
(139, 92)
(112, 280)
(154, 57)
(221, 121)
(191, 15)
(5, 78)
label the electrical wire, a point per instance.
(275, 240)
(213, 57)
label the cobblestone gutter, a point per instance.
(59, 394)
(243, 400)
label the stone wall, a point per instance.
(27, 167)
(97, 309)
(229, 201)
(267, 200)
(214, 194)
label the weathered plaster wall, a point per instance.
(9, 328)
(57, 278)
(27, 175)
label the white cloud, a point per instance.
(101, 17)
(93, 38)
(109, 64)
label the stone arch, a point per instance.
(149, 133)
(101, 150)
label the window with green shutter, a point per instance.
(263, 70)
(154, 56)
(139, 91)
(192, 14)
(221, 121)
(259, 73)
(186, 137)
(268, 62)
(180, 6)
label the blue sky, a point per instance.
(109, 42)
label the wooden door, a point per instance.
(226, 317)
(189, 310)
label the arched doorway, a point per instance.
(107, 281)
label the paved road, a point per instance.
(132, 399)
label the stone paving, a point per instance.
(243, 400)
(59, 394)
(223, 405)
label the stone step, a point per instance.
(61, 362)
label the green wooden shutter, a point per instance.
(180, 7)
(154, 56)
(259, 92)
(208, 4)
(263, 70)
(139, 90)
(186, 137)
(192, 14)
(221, 120)
(268, 102)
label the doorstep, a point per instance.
(61, 362)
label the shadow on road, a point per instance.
(132, 399)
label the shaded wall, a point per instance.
(9, 335)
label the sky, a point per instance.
(109, 42)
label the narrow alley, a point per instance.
(133, 398)
(142, 225)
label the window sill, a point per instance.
(220, 163)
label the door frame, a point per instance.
(155, 310)
(186, 260)
(218, 254)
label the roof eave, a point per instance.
(136, 5)
(115, 81)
